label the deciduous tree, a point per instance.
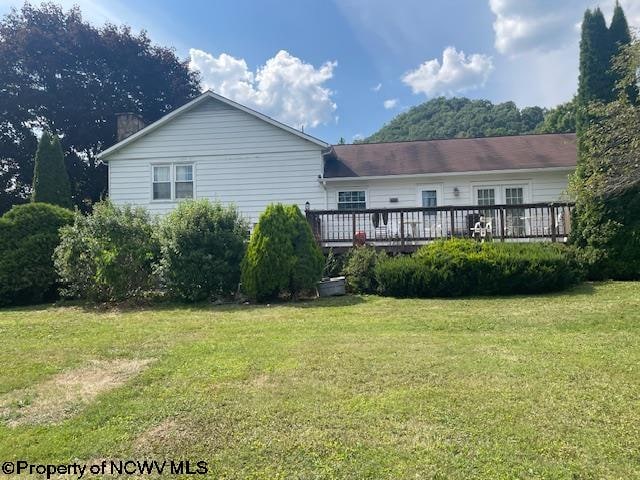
(61, 74)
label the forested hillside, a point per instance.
(463, 117)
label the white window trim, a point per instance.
(438, 187)
(172, 180)
(354, 189)
(500, 186)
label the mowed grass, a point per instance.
(353, 387)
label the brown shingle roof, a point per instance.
(455, 155)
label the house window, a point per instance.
(515, 218)
(354, 200)
(184, 181)
(162, 182)
(172, 182)
(430, 199)
(514, 196)
(486, 196)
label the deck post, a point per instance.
(553, 222)
(353, 228)
(502, 217)
(453, 221)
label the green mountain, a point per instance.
(466, 118)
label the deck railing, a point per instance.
(407, 227)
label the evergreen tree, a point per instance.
(620, 37)
(50, 177)
(619, 34)
(606, 224)
(595, 82)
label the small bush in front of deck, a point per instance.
(460, 267)
(202, 246)
(282, 256)
(360, 269)
(108, 255)
(28, 236)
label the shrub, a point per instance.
(359, 269)
(107, 255)
(461, 267)
(28, 236)
(202, 246)
(308, 261)
(282, 256)
(607, 231)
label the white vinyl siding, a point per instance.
(237, 159)
(460, 190)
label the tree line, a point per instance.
(465, 118)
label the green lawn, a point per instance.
(354, 387)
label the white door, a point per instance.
(430, 195)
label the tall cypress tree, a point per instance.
(50, 177)
(595, 82)
(595, 59)
(619, 33)
(605, 225)
(620, 37)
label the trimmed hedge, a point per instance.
(28, 236)
(108, 255)
(461, 267)
(202, 246)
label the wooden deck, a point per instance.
(406, 229)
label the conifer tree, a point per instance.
(595, 83)
(619, 33)
(50, 177)
(620, 37)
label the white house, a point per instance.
(215, 148)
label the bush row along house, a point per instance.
(406, 192)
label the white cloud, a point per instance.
(357, 136)
(285, 87)
(390, 103)
(457, 73)
(523, 26)
(376, 88)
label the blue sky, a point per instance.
(343, 68)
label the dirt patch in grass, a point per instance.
(162, 437)
(63, 395)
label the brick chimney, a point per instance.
(128, 124)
